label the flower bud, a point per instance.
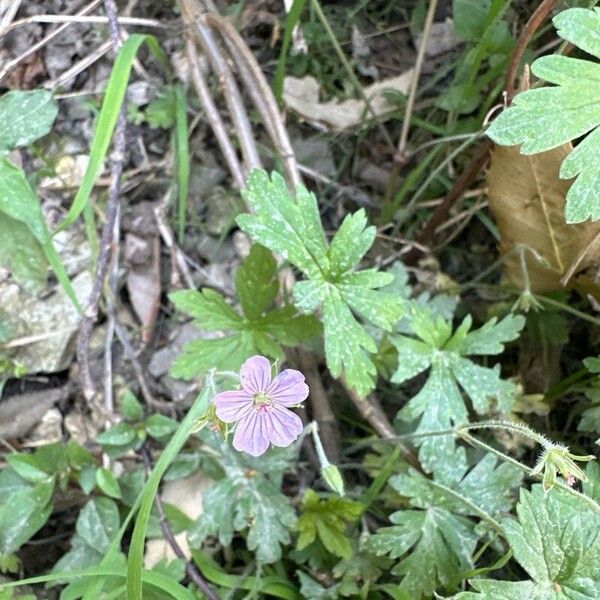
(333, 478)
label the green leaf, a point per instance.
(28, 467)
(162, 109)
(255, 282)
(247, 502)
(327, 519)
(208, 308)
(439, 404)
(227, 353)
(19, 202)
(23, 514)
(22, 254)
(120, 434)
(10, 482)
(544, 118)
(108, 483)
(131, 407)
(260, 331)
(439, 528)
(25, 116)
(556, 542)
(160, 426)
(97, 525)
(292, 228)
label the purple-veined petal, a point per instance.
(284, 426)
(251, 434)
(288, 388)
(231, 406)
(255, 374)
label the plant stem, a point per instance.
(410, 103)
(474, 508)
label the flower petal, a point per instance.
(232, 405)
(255, 374)
(251, 434)
(288, 388)
(284, 427)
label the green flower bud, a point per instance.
(333, 478)
(557, 459)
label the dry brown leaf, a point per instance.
(527, 199)
(302, 96)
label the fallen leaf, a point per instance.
(142, 251)
(302, 96)
(527, 199)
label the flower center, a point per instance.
(261, 402)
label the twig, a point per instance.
(321, 408)
(108, 240)
(11, 64)
(536, 19)
(191, 570)
(410, 102)
(371, 411)
(259, 90)
(466, 178)
(213, 116)
(191, 13)
(139, 373)
(82, 19)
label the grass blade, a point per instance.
(146, 499)
(107, 120)
(182, 159)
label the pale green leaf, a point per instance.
(18, 201)
(160, 426)
(23, 514)
(291, 227)
(556, 542)
(25, 116)
(580, 27)
(439, 404)
(22, 254)
(350, 243)
(107, 483)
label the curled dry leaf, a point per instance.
(527, 199)
(302, 96)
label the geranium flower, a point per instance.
(260, 408)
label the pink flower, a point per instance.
(260, 408)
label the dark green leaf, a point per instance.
(118, 435)
(160, 426)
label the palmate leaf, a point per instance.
(327, 519)
(291, 227)
(258, 330)
(247, 499)
(544, 118)
(556, 542)
(435, 539)
(439, 404)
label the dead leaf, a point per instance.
(142, 251)
(527, 199)
(302, 96)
